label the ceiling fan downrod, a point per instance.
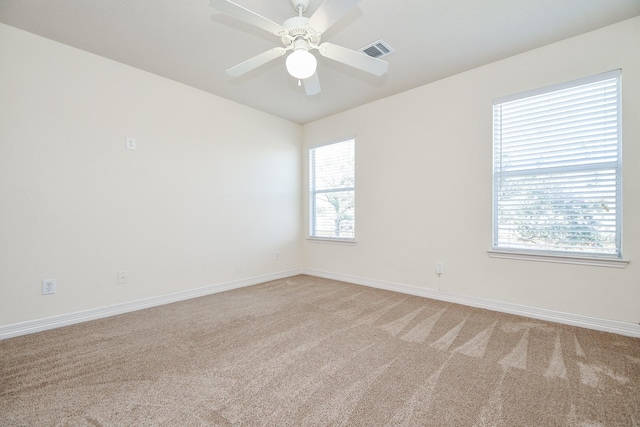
(300, 6)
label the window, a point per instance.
(557, 170)
(332, 191)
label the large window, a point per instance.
(557, 170)
(332, 191)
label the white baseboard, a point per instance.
(622, 328)
(38, 325)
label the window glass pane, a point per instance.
(559, 212)
(335, 214)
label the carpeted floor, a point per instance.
(306, 351)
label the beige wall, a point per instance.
(212, 191)
(424, 185)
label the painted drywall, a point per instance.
(208, 196)
(424, 185)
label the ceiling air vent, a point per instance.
(377, 49)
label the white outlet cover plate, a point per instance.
(48, 286)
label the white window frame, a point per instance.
(503, 249)
(313, 191)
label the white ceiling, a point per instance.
(189, 42)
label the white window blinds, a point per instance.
(557, 169)
(332, 191)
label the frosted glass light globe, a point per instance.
(301, 64)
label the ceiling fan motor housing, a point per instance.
(297, 29)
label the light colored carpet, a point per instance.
(306, 351)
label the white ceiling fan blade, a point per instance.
(355, 59)
(312, 85)
(329, 13)
(256, 61)
(246, 15)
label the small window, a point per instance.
(332, 191)
(557, 169)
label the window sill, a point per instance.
(593, 261)
(349, 242)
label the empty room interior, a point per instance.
(437, 224)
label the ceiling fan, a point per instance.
(300, 35)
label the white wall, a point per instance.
(424, 185)
(212, 191)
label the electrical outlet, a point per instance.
(122, 277)
(130, 144)
(48, 286)
(277, 255)
(439, 268)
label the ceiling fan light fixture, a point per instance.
(301, 64)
